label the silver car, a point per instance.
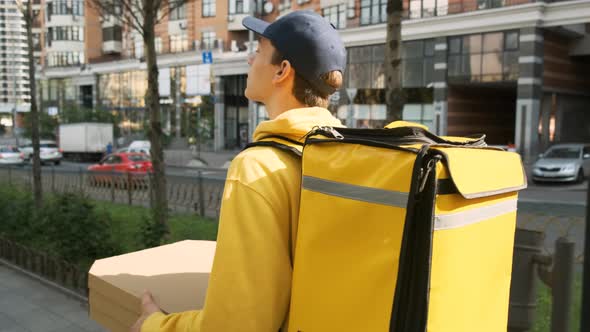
(10, 155)
(49, 152)
(563, 163)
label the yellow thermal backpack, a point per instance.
(401, 230)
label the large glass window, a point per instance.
(208, 8)
(417, 63)
(373, 11)
(336, 15)
(489, 57)
(365, 68)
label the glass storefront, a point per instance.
(361, 103)
(236, 112)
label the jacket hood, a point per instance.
(296, 123)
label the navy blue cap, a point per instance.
(311, 44)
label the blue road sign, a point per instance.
(207, 57)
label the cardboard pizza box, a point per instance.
(177, 275)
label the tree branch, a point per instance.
(168, 7)
(128, 16)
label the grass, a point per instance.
(127, 221)
(543, 313)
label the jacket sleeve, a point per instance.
(250, 282)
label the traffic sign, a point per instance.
(207, 57)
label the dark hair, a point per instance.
(304, 92)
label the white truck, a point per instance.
(86, 141)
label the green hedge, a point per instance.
(78, 230)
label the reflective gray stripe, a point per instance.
(359, 193)
(464, 218)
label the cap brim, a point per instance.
(254, 24)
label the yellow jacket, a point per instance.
(250, 284)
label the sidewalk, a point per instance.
(27, 305)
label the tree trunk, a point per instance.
(394, 94)
(160, 207)
(37, 190)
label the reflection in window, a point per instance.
(417, 63)
(178, 13)
(365, 67)
(208, 8)
(336, 15)
(373, 11)
(489, 57)
(419, 113)
(208, 39)
(179, 43)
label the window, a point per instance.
(65, 7)
(373, 11)
(428, 8)
(208, 8)
(63, 59)
(489, 57)
(238, 6)
(138, 48)
(417, 63)
(112, 33)
(158, 44)
(73, 33)
(284, 5)
(179, 43)
(365, 69)
(208, 41)
(351, 12)
(419, 113)
(178, 13)
(336, 15)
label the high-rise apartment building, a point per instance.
(14, 73)
(516, 70)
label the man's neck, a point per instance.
(281, 104)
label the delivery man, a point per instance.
(299, 63)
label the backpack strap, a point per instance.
(279, 142)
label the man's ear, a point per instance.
(284, 71)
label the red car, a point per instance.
(135, 164)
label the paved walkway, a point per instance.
(27, 305)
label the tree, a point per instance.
(30, 16)
(394, 94)
(142, 16)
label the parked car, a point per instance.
(10, 155)
(140, 146)
(48, 153)
(116, 166)
(563, 163)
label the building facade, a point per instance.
(516, 70)
(14, 63)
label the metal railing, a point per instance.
(199, 190)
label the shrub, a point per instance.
(76, 231)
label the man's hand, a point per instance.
(148, 307)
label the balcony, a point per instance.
(234, 22)
(112, 47)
